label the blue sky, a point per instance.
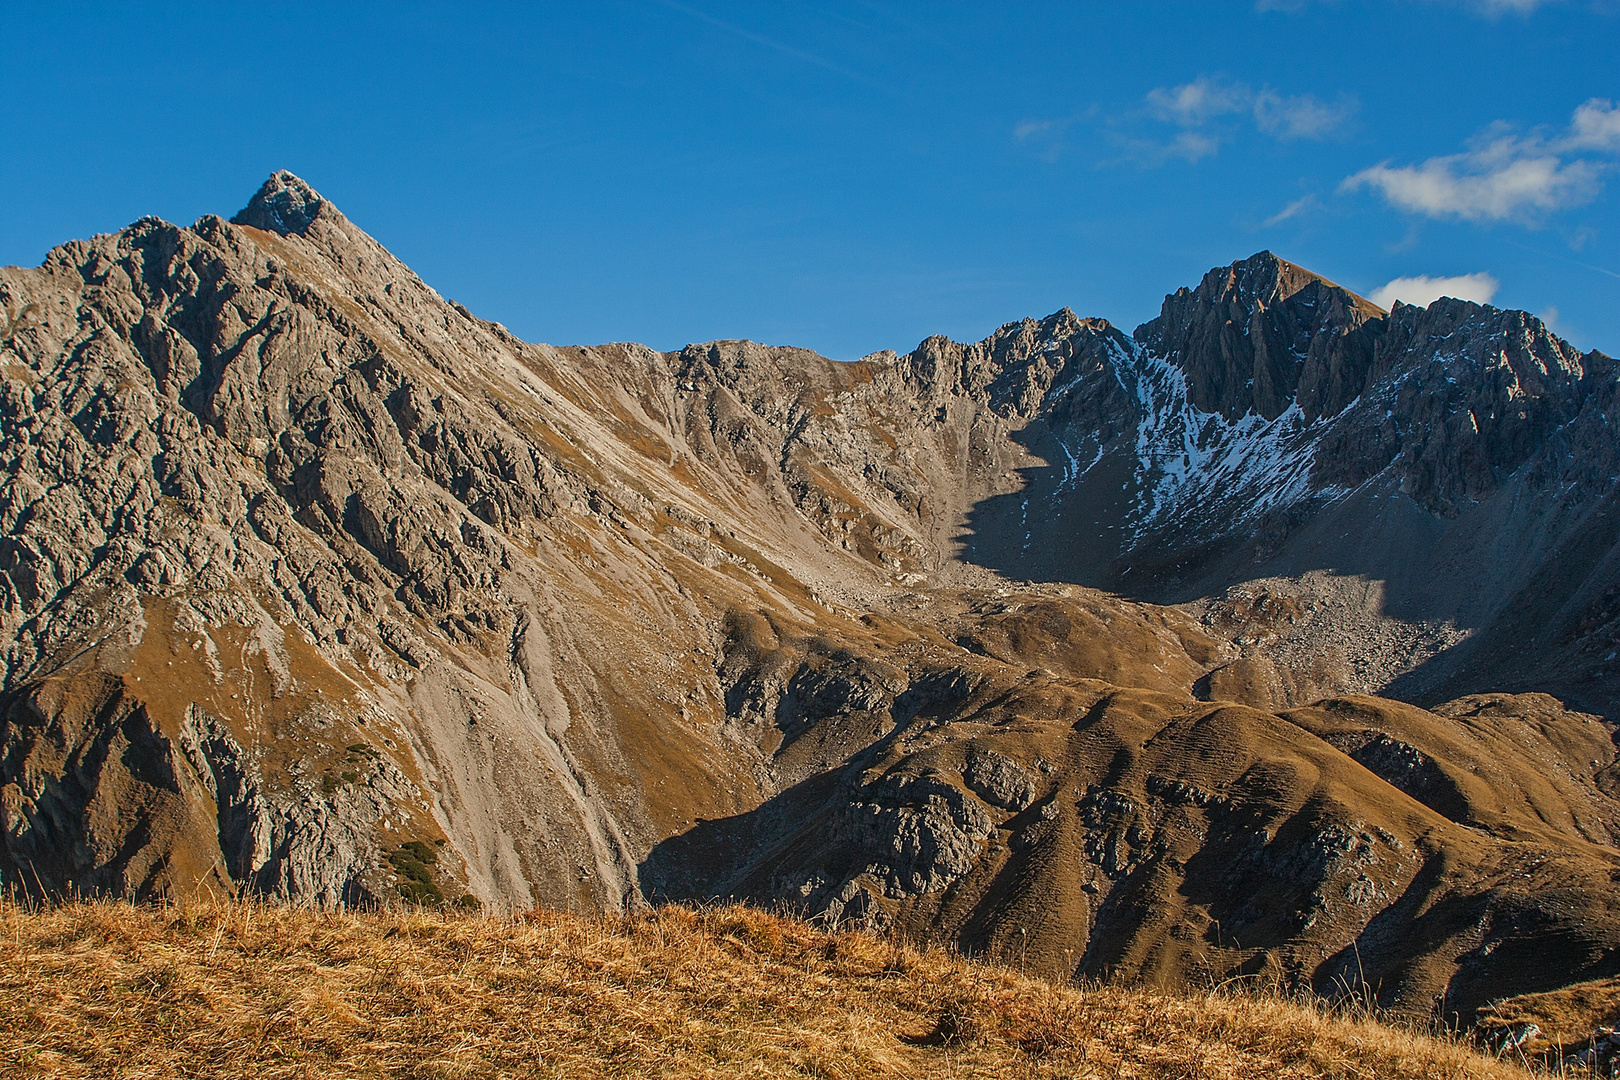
(850, 176)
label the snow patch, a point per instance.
(1192, 463)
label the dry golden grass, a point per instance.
(114, 990)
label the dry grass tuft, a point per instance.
(113, 990)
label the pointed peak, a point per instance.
(1262, 274)
(284, 204)
(1270, 279)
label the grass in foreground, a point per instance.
(114, 990)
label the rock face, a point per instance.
(1264, 335)
(315, 586)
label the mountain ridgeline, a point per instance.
(1275, 639)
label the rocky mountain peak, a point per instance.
(284, 204)
(1256, 335)
(1265, 280)
(1060, 322)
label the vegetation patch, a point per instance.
(413, 861)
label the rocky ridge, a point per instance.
(306, 572)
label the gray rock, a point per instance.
(999, 780)
(920, 832)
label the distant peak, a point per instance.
(284, 204)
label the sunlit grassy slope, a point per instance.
(114, 990)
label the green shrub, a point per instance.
(415, 871)
(420, 852)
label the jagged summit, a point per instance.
(1254, 334)
(1264, 279)
(284, 204)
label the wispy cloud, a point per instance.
(1292, 210)
(1209, 111)
(1198, 102)
(1205, 99)
(1495, 9)
(1490, 9)
(1191, 145)
(1029, 129)
(1186, 146)
(1422, 290)
(1300, 117)
(1048, 133)
(1503, 176)
(771, 43)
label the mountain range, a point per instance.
(1275, 639)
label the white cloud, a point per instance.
(1504, 176)
(1595, 126)
(1495, 185)
(1422, 290)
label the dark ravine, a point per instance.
(1065, 643)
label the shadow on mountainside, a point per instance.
(1063, 524)
(1530, 585)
